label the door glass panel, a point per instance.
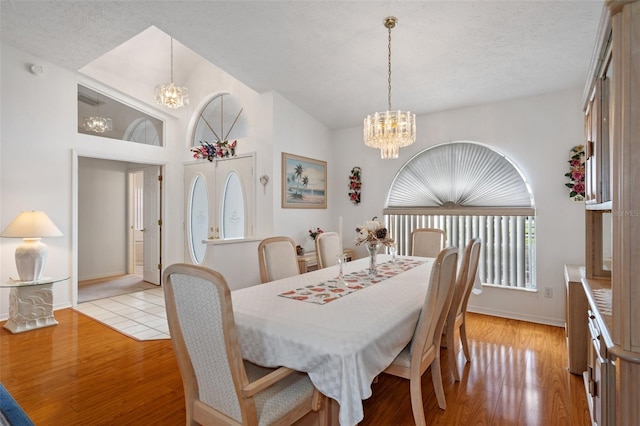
(198, 219)
(233, 220)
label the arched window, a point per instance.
(468, 190)
(142, 130)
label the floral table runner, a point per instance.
(330, 290)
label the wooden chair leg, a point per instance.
(463, 338)
(417, 406)
(436, 375)
(451, 350)
(323, 411)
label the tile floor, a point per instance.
(140, 315)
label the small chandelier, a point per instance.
(170, 94)
(96, 123)
(390, 130)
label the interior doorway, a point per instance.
(119, 227)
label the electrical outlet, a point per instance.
(548, 292)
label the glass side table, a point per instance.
(30, 304)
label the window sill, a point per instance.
(506, 287)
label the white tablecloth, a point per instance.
(344, 344)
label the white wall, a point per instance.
(236, 261)
(296, 132)
(537, 134)
(36, 135)
(102, 218)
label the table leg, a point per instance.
(30, 307)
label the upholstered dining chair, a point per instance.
(457, 313)
(424, 349)
(219, 386)
(277, 258)
(327, 249)
(426, 242)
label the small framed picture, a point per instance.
(304, 182)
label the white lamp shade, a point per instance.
(31, 255)
(31, 225)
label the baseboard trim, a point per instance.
(517, 316)
(99, 278)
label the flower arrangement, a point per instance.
(313, 233)
(220, 149)
(373, 231)
(355, 185)
(576, 173)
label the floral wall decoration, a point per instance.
(355, 185)
(576, 173)
(210, 151)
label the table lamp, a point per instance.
(31, 255)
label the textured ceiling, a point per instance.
(328, 57)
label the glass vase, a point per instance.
(372, 249)
(340, 261)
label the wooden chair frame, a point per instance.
(198, 412)
(262, 259)
(426, 340)
(322, 262)
(435, 231)
(456, 319)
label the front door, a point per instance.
(235, 197)
(219, 203)
(199, 184)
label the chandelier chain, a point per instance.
(389, 65)
(171, 59)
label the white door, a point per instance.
(208, 188)
(152, 225)
(234, 195)
(199, 184)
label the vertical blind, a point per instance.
(508, 242)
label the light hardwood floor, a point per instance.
(81, 372)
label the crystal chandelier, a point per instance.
(96, 123)
(170, 94)
(390, 130)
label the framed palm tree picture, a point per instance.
(304, 182)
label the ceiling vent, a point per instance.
(89, 101)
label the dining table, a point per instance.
(343, 333)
